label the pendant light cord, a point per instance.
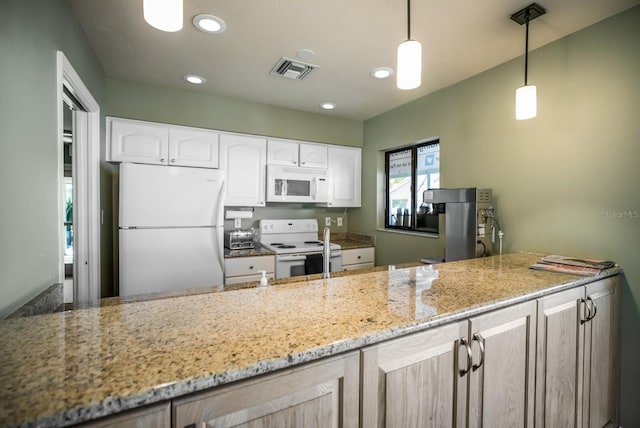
(408, 19)
(526, 48)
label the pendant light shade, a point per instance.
(526, 98)
(165, 15)
(409, 64)
(526, 102)
(409, 67)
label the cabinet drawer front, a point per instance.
(241, 266)
(357, 256)
(357, 266)
(231, 280)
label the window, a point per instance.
(409, 172)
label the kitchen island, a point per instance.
(65, 368)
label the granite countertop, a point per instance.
(68, 367)
(257, 251)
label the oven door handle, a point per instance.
(293, 258)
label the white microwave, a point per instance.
(297, 184)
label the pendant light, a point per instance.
(526, 99)
(409, 68)
(165, 15)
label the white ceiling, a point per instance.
(460, 38)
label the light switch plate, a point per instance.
(327, 221)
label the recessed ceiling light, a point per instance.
(195, 79)
(209, 24)
(381, 72)
(327, 106)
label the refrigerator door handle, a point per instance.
(220, 224)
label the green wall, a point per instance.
(565, 182)
(184, 107)
(31, 32)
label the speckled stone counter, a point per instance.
(63, 368)
(252, 252)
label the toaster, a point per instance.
(239, 239)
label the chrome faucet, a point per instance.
(326, 252)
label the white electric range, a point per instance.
(293, 241)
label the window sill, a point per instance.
(409, 232)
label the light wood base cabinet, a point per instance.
(478, 372)
(154, 416)
(577, 373)
(319, 394)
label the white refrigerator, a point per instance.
(171, 228)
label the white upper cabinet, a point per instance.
(244, 161)
(193, 147)
(135, 141)
(297, 153)
(159, 144)
(345, 176)
(314, 155)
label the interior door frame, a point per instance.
(87, 167)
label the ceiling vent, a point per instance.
(292, 69)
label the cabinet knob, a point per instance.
(173, 161)
(359, 257)
(162, 160)
(250, 267)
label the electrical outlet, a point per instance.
(327, 221)
(339, 221)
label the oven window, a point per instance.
(297, 270)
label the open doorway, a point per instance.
(67, 173)
(79, 190)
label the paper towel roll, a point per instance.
(239, 214)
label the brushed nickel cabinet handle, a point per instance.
(465, 342)
(478, 338)
(593, 309)
(586, 312)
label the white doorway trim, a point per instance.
(87, 166)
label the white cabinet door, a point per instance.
(314, 155)
(193, 147)
(135, 141)
(243, 159)
(282, 152)
(297, 153)
(344, 176)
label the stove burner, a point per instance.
(276, 243)
(313, 242)
(285, 246)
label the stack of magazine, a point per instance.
(572, 265)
